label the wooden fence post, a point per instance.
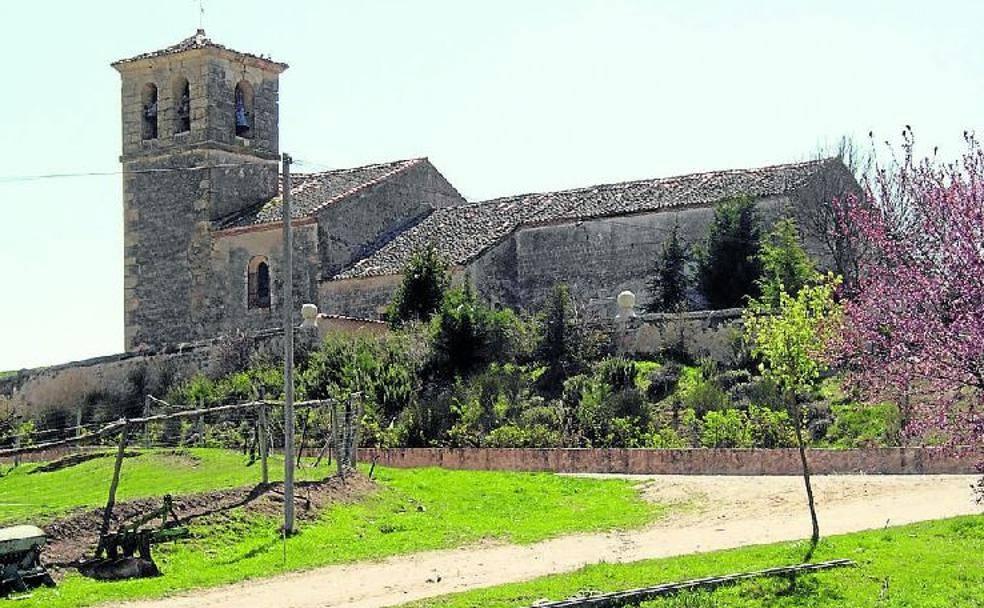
(262, 435)
(114, 484)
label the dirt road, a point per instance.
(714, 513)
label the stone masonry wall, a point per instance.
(350, 229)
(231, 254)
(68, 386)
(881, 461)
(362, 298)
(596, 258)
(705, 333)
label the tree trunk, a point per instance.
(798, 425)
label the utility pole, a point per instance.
(288, 354)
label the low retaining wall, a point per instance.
(885, 461)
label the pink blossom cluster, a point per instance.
(914, 330)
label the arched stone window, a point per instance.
(181, 97)
(258, 289)
(148, 111)
(244, 109)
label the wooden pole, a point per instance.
(115, 483)
(264, 449)
(288, 304)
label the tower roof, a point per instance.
(198, 41)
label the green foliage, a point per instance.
(466, 334)
(561, 343)
(770, 428)
(857, 425)
(726, 429)
(670, 281)
(785, 264)
(618, 373)
(729, 266)
(412, 510)
(932, 564)
(697, 390)
(425, 279)
(790, 338)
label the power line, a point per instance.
(49, 176)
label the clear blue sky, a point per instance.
(503, 96)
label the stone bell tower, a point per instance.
(200, 142)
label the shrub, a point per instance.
(770, 428)
(466, 334)
(700, 394)
(665, 438)
(726, 429)
(425, 280)
(663, 381)
(856, 425)
(617, 372)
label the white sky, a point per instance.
(503, 96)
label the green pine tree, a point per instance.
(729, 265)
(670, 281)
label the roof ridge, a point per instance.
(360, 167)
(660, 180)
(401, 168)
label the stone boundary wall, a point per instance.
(697, 461)
(67, 386)
(703, 333)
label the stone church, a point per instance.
(203, 213)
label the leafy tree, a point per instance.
(729, 264)
(670, 281)
(915, 328)
(785, 264)
(790, 339)
(425, 280)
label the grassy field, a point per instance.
(933, 564)
(414, 510)
(27, 494)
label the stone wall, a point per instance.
(705, 333)
(352, 228)
(362, 298)
(231, 254)
(883, 461)
(69, 386)
(596, 258)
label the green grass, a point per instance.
(415, 510)
(40, 496)
(933, 564)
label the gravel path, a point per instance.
(713, 513)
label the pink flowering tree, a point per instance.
(914, 330)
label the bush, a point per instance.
(770, 429)
(726, 429)
(670, 280)
(617, 372)
(467, 335)
(665, 438)
(425, 279)
(700, 394)
(856, 425)
(663, 381)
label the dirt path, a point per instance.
(714, 513)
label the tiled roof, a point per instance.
(462, 233)
(198, 41)
(311, 192)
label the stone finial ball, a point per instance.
(309, 312)
(626, 300)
